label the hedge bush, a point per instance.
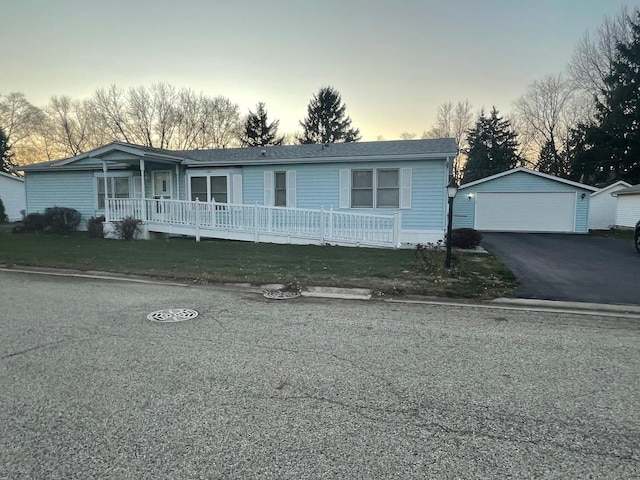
(61, 219)
(127, 228)
(3, 214)
(95, 226)
(465, 238)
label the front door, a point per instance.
(161, 185)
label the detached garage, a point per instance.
(523, 200)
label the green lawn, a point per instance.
(389, 272)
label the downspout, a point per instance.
(177, 182)
(106, 192)
(144, 191)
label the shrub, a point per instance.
(127, 228)
(3, 215)
(61, 219)
(430, 257)
(465, 238)
(95, 226)
(34, 222)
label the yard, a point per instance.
(386, 271)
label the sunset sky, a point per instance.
(393, 61)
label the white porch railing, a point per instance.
(258, 222)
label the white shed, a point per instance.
(628, 207)
(12, 194)
(603, 206)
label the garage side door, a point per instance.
(526, 212)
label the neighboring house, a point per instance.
(12, 196)
(628, 206)
(603, 206)
(523, 200)
(295, 193)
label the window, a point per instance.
(208, 188)
(362, 188)
(119, 187)
(280, 189)
(219, 189)
(386, 193)
(199, 189)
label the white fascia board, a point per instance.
(318, 160)
(532, 172)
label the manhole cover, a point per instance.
(172, 315)
(280, 295)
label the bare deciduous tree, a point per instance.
(544, 118)
(17, 117)
(453, 121)
(592, 59)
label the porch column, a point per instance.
(143, 211)
(106, 192)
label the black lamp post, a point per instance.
(452, 190)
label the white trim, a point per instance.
(12, 177)
(269, 196)
(345, 188)
(405, 188)
(236, 188)
(292, 192)
(619, 183)
(99, 178)
(532, 172)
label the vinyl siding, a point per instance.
(628, 212)
(464, 204)
(13, 197)
(318, 186)
(61, 189)
(602, 208)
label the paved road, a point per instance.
(307, 388)
(575, 268)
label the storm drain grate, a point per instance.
(280, 295)
(173, 315)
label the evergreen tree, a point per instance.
(609, 148)
(552, 161)
(6, 162)
(326, 121)
(258, 132)
(492, 147)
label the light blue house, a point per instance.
(523, 200)
(389, 193)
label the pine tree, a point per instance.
(326, 121)
(609, 148)
(6, 161)
(492, 147)
(552, 161)
(258, 132)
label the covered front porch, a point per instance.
(257, 223)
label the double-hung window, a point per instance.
(379, 187)
(280, 189)
(209, 187)
(119, 187)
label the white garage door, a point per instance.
(526, 212)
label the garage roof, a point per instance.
(532, 172)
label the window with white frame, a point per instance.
(280, 189)
(209, 187)
(379, 187)
(119, 186)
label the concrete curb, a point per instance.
(630, 311)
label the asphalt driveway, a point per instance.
(575, 268)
